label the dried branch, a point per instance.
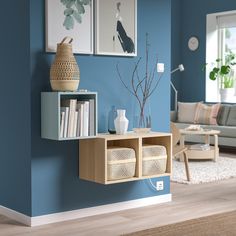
(134, 93)
(147, 61)
(143, 88)
(140, 82)
(153, 74)
(118, 71)
(157, 83)
(132, 81)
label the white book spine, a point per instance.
(86, 118)
(82, 120)
(78, 120)
(71, 117)
(70, 120)
(62, 124)
(91, 117)
(65, 134)
(75, 124)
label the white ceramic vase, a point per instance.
(121, 122)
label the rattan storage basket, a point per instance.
(64, 73)
(154, 160)
(121, 163)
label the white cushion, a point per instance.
(186, 111)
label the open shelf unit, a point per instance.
(51, 112)
(93, 154)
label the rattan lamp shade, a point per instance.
(64, 73)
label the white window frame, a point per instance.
(213, 38)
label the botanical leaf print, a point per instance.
(69, 22)
(73, 12)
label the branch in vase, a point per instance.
(133, 75)
(119, 75)
(135, 91)
(158, 81)
(153, 75)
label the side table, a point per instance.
(212, 153)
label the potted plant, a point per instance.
(225, 72)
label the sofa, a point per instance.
(225, 122)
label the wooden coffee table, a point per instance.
(212, 153)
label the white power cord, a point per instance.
(153, 186)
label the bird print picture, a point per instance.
(116, 26)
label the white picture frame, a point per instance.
(82, 33)
(116, 27)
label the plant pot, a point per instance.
(227, 94)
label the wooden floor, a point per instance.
(189, 202)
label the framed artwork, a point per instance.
(70, 18)
(116, 27)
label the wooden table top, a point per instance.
(131, 135)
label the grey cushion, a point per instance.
(231, 121)
(173, 116)
(223, 114)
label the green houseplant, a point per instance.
(224, 71)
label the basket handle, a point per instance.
(70, 40)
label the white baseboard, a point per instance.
(86, 212)
(14, 215)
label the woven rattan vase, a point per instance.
(64, 73)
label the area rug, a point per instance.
(215, 225)
(205, 171)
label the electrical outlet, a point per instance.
(160, 67)
(160, 185)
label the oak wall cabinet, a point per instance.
(93, 154)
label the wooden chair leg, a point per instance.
(186, 166)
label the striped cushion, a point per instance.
(206, 114)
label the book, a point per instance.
(74, 102)
(86, 119)
(62, 124)
(91, 117)
(82, 120)
(71, 103)
(200, 146)
(65, 130)
(80, 126)
(75, 124)
(78, 131)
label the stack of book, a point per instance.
(77, 118)
(200, 146)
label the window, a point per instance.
(221, 51)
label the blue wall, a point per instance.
(55, 184)
(193, 22)
(15, 160)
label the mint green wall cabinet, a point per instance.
(51, 103)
